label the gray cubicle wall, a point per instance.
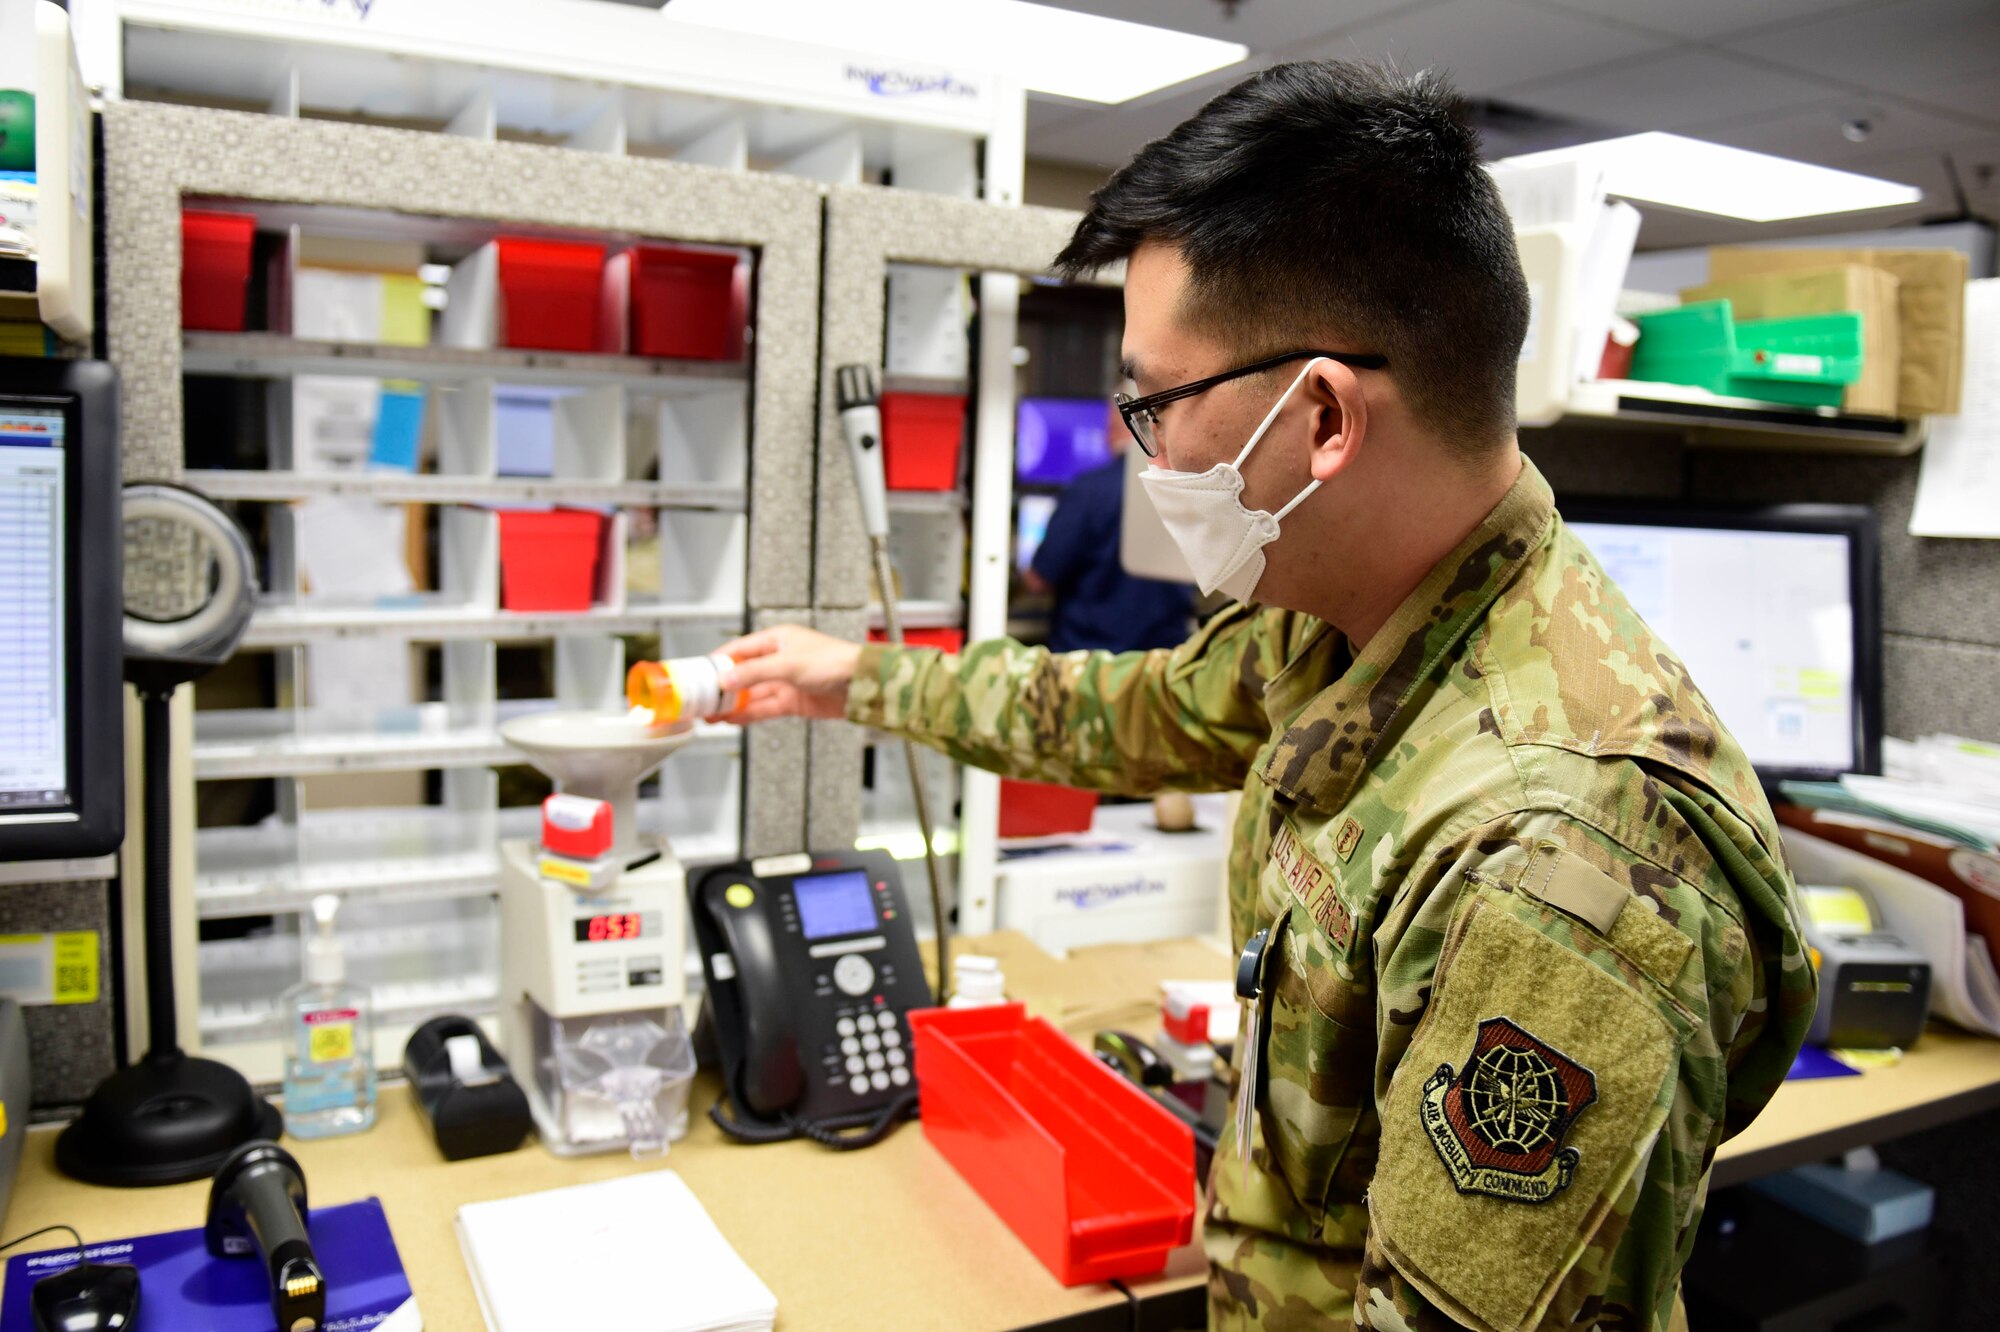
(867, 229)
(70, 1044)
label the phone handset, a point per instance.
(772, 1077)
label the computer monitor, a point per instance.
(1774, 610)
(1031, 524)
(62, 735)
(1058, 439)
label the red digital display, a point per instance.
(605, 929)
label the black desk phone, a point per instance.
(812, 969)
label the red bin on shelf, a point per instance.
(548, 558)
(1043, 809)
(922, 435)
(1090, 1174)
(951, 640)
(550, 293)
(683, 303)
(215, 269)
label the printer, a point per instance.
(1874, 988)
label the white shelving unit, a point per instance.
(622, 432)
(599, 79)
(595, 77)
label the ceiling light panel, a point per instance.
(1061, 52)
(1712, 178)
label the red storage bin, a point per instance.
(548, 558)
(683, 303)
(550, 293)
(215, 269)
(1041, 809)
(951, 640)
(1090, 1174)
(922, 435)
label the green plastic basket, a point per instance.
(1804, 361)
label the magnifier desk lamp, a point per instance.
(190, 585)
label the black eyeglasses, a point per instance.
(1141, 413)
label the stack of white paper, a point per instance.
(637, 1253)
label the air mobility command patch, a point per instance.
(1498, 1125)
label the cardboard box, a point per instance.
(1873, 292)
(1930, 299)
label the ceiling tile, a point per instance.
(1670, 91)
(1045, 115)
(1489, 44)
(1261, 25)
(1978, 163)
(1978, 97)
(1908, 48)
(1108, 137)
(1702, 20)
(1814, 133)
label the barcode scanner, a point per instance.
(258, 1205)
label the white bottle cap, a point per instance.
(977, 981)
(326, 960)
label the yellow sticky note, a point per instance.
(406, 320)
(1815, 683)
(76, 967)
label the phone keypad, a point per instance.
(868, 1055)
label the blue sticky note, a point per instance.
(399, 429)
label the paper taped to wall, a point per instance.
(1958, 489)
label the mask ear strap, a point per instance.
(1272, 415)
(1297, 500)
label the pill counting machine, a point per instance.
(591, 970)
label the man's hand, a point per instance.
(791, 671)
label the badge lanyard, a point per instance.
(1250, 988)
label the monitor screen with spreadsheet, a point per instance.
(1773, 611)
(61, 737)
(34, 762)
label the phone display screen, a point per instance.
(834, 904)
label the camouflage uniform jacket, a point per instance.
(1533, 949)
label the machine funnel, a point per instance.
(598, 754)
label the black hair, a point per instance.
(1335, 201)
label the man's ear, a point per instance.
(1338, 420)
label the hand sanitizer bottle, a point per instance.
(330, 1070)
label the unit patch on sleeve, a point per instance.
(1313, 884)
(1498, 1124)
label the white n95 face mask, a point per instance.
(1204, 514)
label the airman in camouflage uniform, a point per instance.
(1532, 951)
(1526, 949)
